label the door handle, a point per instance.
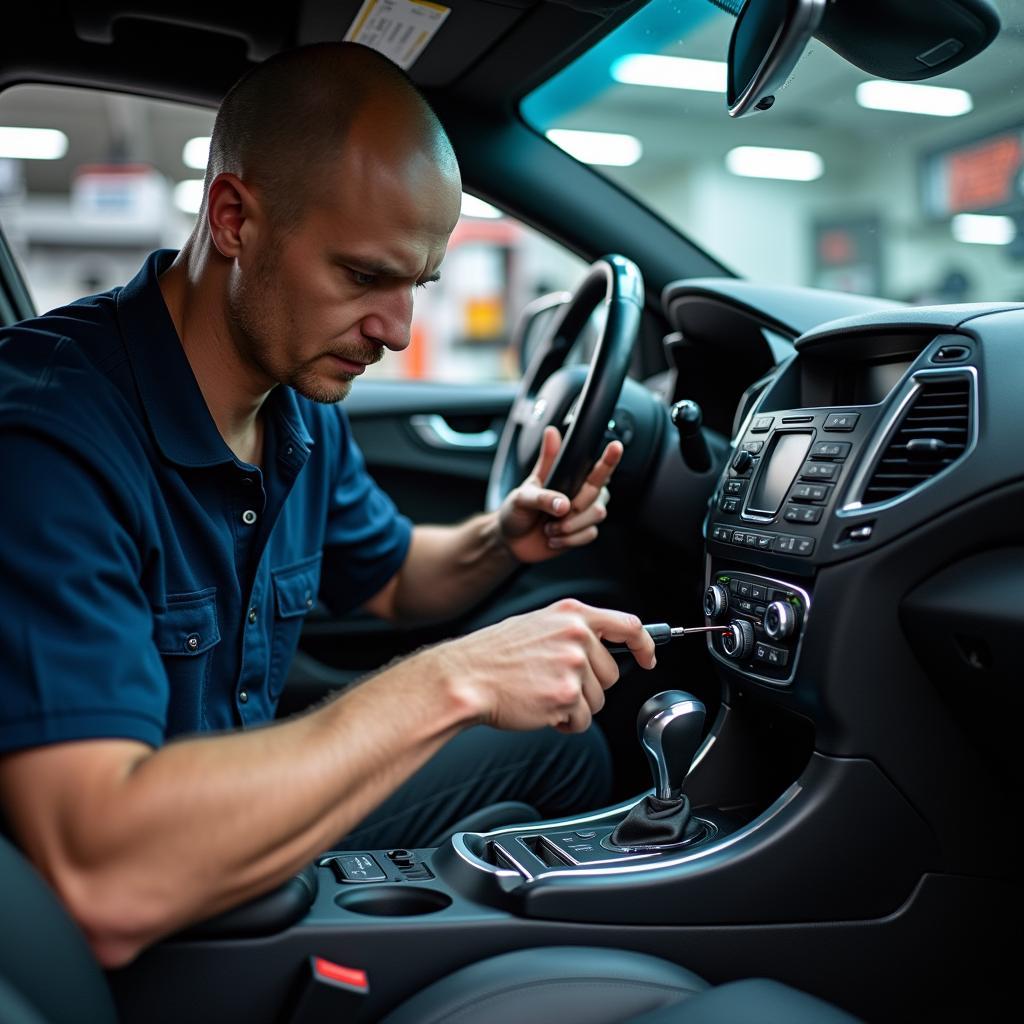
(434, 430)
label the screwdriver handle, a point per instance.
(659, 632)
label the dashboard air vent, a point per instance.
(932, 435)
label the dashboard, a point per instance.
(867, 504)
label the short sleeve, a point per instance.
(76, 629)
(366, 538)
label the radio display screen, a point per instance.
(781, 465)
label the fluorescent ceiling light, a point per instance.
(670, 72)
(765, 162)
(188, 195)
(473, 207)
(983, 229)
(910, 98)
(607, 148)
(32, 143)
(196, 153)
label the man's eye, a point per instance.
(363, 280)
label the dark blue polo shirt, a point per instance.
(151, 584)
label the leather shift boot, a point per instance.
(653, 823)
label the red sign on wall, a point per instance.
(984, 176)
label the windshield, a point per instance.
(825, 189)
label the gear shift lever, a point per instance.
(669, 727)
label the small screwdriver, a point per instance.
(662, 632)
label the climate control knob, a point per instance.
(779, 620)
(738, 641)
(716, 601)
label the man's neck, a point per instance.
(195, 298)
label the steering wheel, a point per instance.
(579, 400)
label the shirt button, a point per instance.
(309, 598)
(243, 696)
(252, 616)
(248, 517)
(192, 642)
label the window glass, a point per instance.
(91, 182)
(848, 182)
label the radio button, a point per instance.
(742, 462)
(808, 492)
(774, 656)
(803, 513)
(789, 545)
(735, 487)
(830, 450)
(762, 424)
(730, 505)
(754, 447)
(764, 542)
(841, 421)
(819, 471)
(757, 592)
(722, 533)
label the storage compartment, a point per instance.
(393, 901)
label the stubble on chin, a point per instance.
(306, 383)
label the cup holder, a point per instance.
(393, 900)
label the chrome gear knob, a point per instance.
(669, 726)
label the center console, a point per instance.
(825, 461)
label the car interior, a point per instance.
(818, 511)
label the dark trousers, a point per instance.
(558, 774)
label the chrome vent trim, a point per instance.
(940, 404)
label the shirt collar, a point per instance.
(177, 412)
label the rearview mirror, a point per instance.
(767, 41)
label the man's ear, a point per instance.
(231, 211)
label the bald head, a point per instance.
(288, 126)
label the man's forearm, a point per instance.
(451, 568)
(178, 834)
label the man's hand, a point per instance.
(536, 524)
(547, 667)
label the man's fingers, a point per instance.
(604, 666)
(578, 539)
(539, 499)
(593, 688)
(566, 527)
(576, 720)
(621, 628)
(550, 443)
(598, 477)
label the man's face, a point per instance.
(312, 307)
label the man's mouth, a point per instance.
(353, 366)
(348, 365)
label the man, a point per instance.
(181, 488)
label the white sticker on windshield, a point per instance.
(400, 29)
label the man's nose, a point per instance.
(391, 319)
